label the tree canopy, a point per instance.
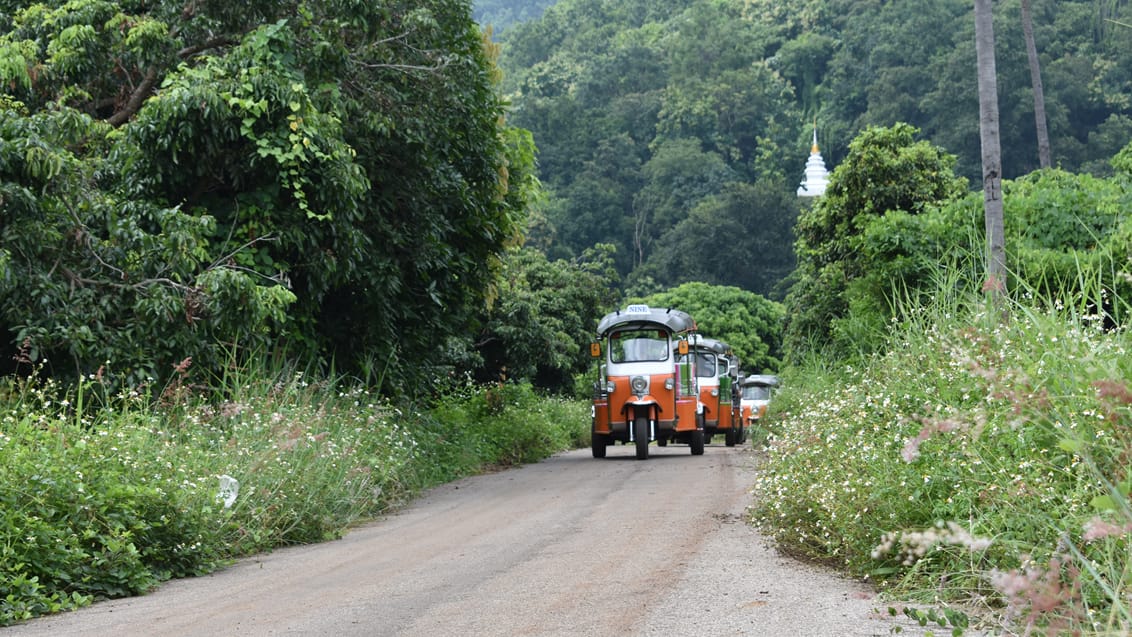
(196, 180)
(869, 253)
(748, 322)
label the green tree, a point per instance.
(642, 111)
(598, 204)
(346, 165)
(803, 62)
(739, 237)
(1066, 233)
(539, 328)
(677, 176)
(886, 170)
(500, 14)
(750, 323)
(736, 114)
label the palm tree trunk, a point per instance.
(1036, 80)
(992, 152)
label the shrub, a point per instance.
(107, 495)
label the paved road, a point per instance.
(571, 546)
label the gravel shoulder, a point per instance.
(571, 546)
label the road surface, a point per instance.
(571, 546)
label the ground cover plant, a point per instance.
(107, 494)
(980, 464)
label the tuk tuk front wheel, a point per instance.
(641, 436)
(730, 437)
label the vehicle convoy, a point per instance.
(646, 387)
(755, 393)
(717, 373)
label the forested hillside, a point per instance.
(678, 130)
(501, 14)
(353, 188)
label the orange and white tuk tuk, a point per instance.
(646, 386)
(755, 391)
(717, 373)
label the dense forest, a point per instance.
(678, 130)
(190, 185)
(400, 194)
(498, 15)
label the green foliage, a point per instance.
(844, 268)
(646, 112)
(958, 621)
(106, 494)
(539, 328)
(973, 460)
(501, 14)
(82, 519)
(179, 182)
(1122, 163)
(747, 79)
(860, 268)
(503, 425)
(739, 237)
(748, 322)
(911, 62)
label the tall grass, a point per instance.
(105, 495)
(982, 463)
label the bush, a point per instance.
(977, 461)
(105, 496)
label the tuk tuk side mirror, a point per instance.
(595, 349)
(682, 347)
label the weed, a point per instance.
(977, 462)
(107, 495)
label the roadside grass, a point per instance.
(106, 495)
(979, 465)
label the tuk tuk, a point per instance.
(717, 373)
(755, 393)
(646, 386)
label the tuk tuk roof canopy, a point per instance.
(673, 320)
(761, 380)
(716, 346)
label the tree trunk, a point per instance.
(1036, 80)
(992, 152)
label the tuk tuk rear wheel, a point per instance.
(641, 436)
(697, 442)
(598, 443)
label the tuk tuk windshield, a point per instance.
(705, 365)
(756, 392)
(637, 345)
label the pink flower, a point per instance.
(1097, 529)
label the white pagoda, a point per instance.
(817, 177)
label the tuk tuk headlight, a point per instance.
(640, 384)
(714, 393)
(610, 386)
(669, 384)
